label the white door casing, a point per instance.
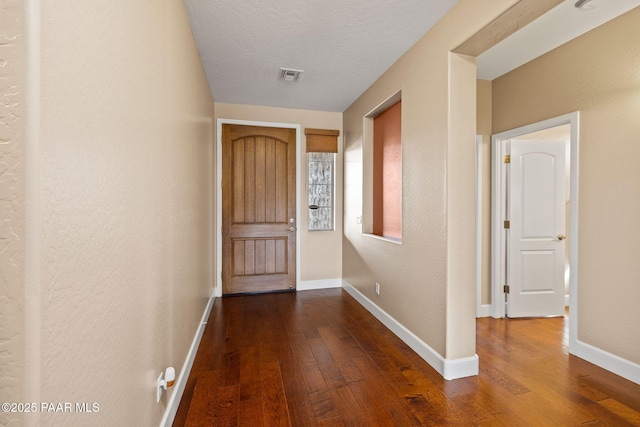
(498, 202)
(218, 219)
(536, 248)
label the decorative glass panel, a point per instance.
(321, 191)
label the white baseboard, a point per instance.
(461, 368)
(308, 285)
(174, 400)
(610, 362)
(450, 369)
(484, 311)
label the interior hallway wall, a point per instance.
(12, 209)
(118, 203)
(428, 281)
(597, 74)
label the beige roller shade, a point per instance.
(322, 140)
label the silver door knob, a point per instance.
(291, 229)
(561, 237)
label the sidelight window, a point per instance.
(322, 146)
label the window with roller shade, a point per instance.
(387, 173)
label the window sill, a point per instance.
(394, 240)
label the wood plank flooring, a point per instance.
(317, 358)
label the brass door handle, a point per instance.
(561, 237)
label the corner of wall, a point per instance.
(461, 209)
(185, 371)
(450, 369)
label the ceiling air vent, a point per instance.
(289, 74)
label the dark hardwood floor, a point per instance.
(317, 358)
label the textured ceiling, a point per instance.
(343, 46)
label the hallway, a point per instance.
(319, 358)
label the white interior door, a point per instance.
(536, 249)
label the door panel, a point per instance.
(260, 256)
(537, 268)
(258, 212)
(537, 218)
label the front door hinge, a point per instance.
(507, 158)
(506, 289)
(507, 224)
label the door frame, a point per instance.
(218, 219)
(498, 234)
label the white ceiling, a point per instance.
(343, 46)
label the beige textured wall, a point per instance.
(483, 127)
(320, 251)
(419, 286)
(461, 208)
(120, 208)
(597, 74)
(12, 112)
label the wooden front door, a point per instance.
(258, 209)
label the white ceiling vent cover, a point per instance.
(289, 74)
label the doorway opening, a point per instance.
(500, 263)
(291, 258)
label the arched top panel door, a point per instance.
(258, 209)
